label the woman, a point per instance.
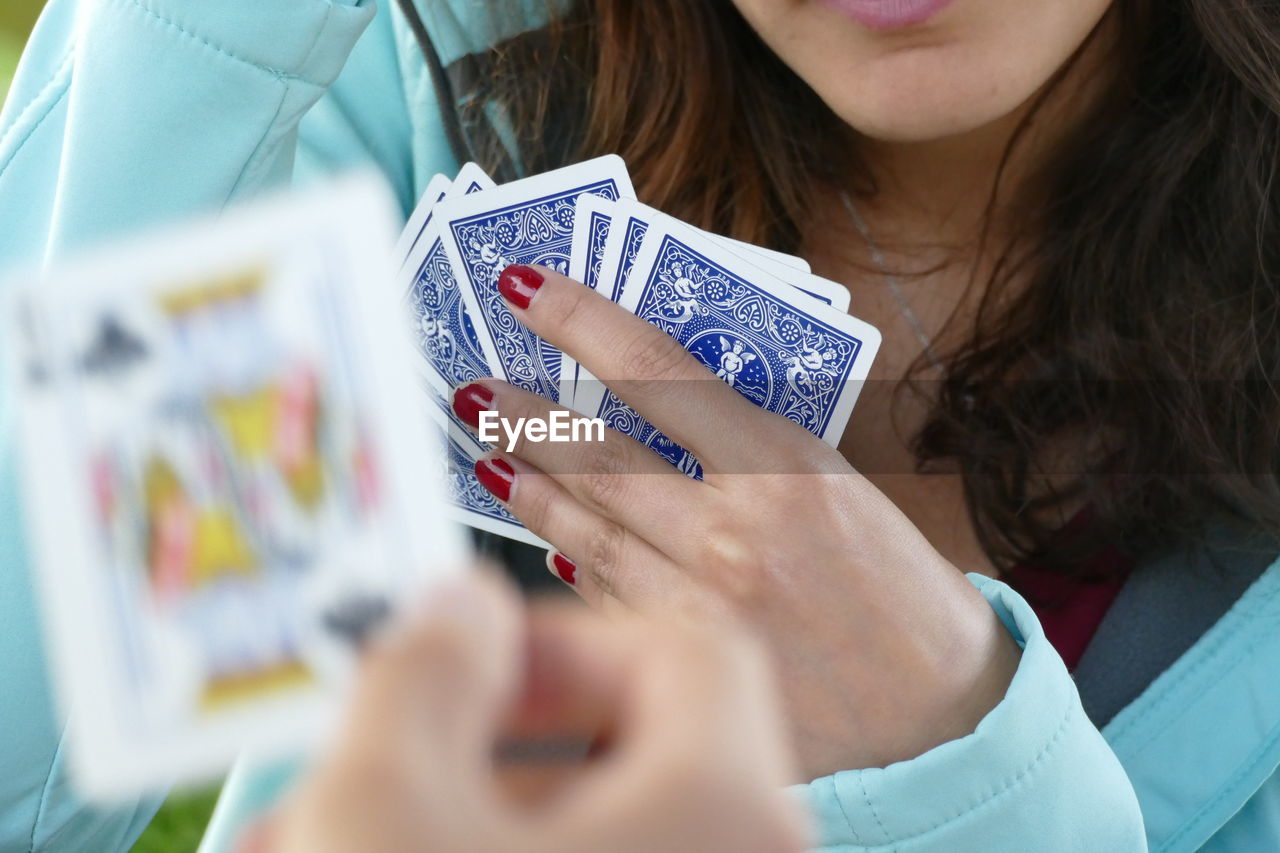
(1059, 214)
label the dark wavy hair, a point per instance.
(1145, 334)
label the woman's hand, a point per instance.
(884, 649)
(694, 760)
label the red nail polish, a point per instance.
(518, 284)
(497, 476)
(470, 400)
(567, 569)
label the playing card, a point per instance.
(529, 221)
(450, 356)
(794, 262)
(223, 464)
(470, 179)
(443, 330)
(436, 189)
(825, 290)
(619, 249)
(590, 235)
(591, 246)
(591, 228)
(784, 350)
(471, 503)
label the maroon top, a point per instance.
(1070, 608)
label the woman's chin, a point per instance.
(921, 124)
(905, 109)
(907, 130)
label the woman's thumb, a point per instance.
(443, 679)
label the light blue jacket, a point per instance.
(130, 112)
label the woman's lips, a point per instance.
(889, 14)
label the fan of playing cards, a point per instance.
(758, 319)
(228, 474)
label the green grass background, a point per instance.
(16, 18)
(182, 819)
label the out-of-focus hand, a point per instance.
(693, 753)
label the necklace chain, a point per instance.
(892, 282)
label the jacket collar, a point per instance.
(1204, 735)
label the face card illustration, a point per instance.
(529, 221)
(220, 478)
(785, 351)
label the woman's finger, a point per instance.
(567, 570)
(607, 559)
(572, 682)
(727, 739)
(646, 368)
(416, 746)
(259, 837)
(616, 477)
(448, 673)
(575, 677)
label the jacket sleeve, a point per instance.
(125, 113)
(1035, 774)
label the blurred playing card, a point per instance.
(226, 478)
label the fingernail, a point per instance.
(497, 476)
(564, 567)
(470, 400)
(518, 284)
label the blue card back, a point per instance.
(803, 363)
(526, 222)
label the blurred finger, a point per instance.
(258, 837)
(724, 753)
(440, 685)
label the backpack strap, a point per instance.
(1165, 607)
(1182, 680)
